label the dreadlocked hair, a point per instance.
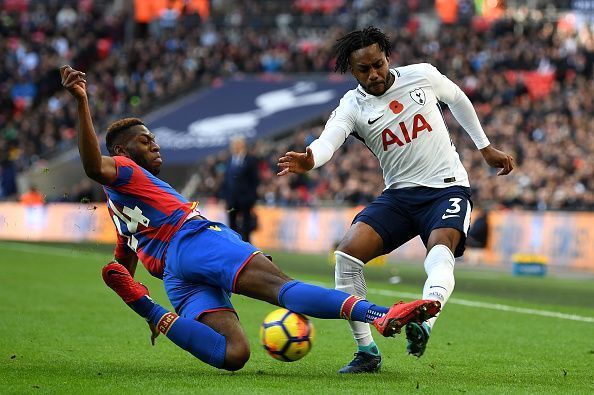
(358, 39)
(116, 130)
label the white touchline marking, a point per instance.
(492, 306)
(51, 250)
(72, 253)
(483, 305)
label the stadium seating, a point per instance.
(528, 73)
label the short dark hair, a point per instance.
(117, 130)
(358, 39)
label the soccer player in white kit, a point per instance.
(396, 114)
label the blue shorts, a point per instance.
(398, 215)
(203, 261)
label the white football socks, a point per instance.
(348, 275)
(439, 266)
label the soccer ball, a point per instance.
(286, 336)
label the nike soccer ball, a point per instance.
(286, 336)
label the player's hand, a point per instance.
(74, 81)
(154, 332)
(296, 162)
(498, 159)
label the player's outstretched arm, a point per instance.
(498, 159)
(99, 168)
(129, 262)
(296, 162)
(118, 277)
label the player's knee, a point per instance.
(236, 355)
(448, 237)
(363, 252)
(347, 248)
(362, 242)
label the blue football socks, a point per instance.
(322, 302)
(198, 339)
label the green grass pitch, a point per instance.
(63, 331)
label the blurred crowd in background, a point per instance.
(528, 71)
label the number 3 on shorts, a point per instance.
(455, 206)
(455, 210)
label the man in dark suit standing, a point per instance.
(240, 188)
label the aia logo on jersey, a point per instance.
(418, 95)
(419, 124)
(396, 106)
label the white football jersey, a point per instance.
(405, 128)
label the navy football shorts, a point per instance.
(398, 215)
(203, 261)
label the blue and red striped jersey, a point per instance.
(146, 212)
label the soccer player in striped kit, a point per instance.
(200, 262)
(396, 113)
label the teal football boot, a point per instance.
(417, 336)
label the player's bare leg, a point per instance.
(360, 245)
(262, 279)
(439, 266)
(237, 352)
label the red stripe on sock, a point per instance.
(347, 306)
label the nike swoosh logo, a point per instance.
(449, 216)
(437, 286)
(371, 122)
